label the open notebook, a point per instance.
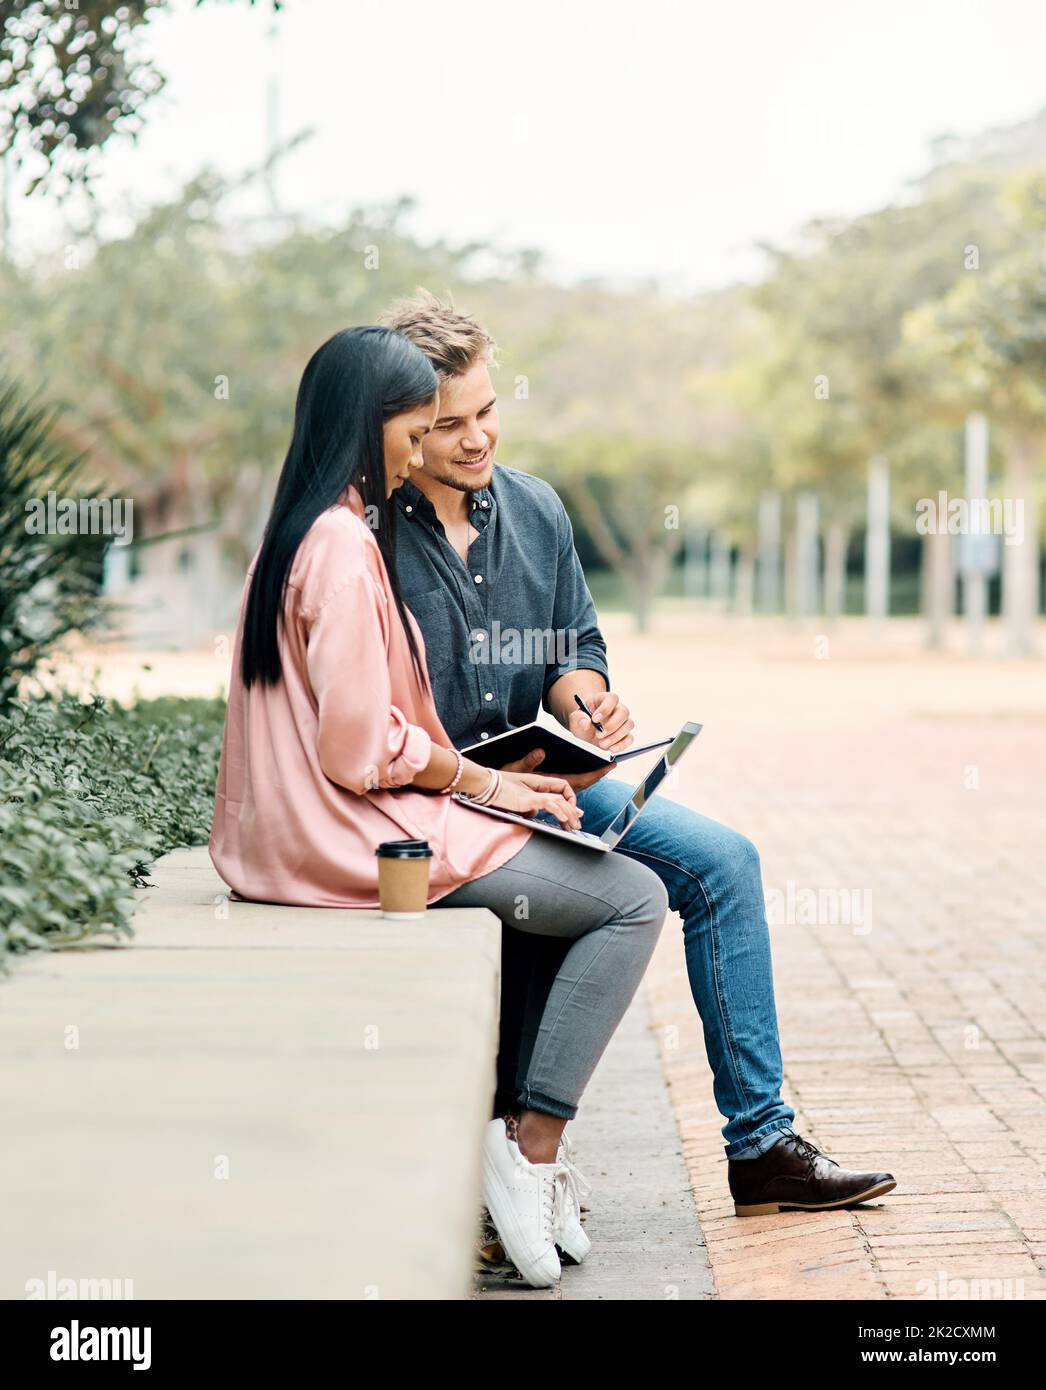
(629, 813)
(563, 752)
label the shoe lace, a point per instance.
(549, 1191)
(571, 1183)
(811, 1151)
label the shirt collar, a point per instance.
(412, 502)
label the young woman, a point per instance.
(332, 744)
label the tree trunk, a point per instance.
(938, 584)
(790, 586)
(695, 563)
(836, 543)
(769, 561)
(646, 581)
(1020, 550)
(807, 596)
(641, 606)
(877, 540)
(744, 582)
(719, 572)
(974, 579)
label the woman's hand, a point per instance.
(527, 793)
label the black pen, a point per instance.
(585, 710)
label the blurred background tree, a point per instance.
(732, 446)
(983, 344)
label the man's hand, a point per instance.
(527, 764)
(615, 738)
(607, 710)
(578, 780)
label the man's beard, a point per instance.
(465, 484)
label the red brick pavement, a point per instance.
(914, 1031)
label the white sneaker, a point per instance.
(521, 1200)
(571, 1186)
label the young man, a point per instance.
(484, 550)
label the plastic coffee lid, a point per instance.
(404, 849)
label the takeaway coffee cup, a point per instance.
(403, 877)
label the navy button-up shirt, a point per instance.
(502, 629)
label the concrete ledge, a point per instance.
(338, 1067)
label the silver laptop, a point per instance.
(625, 818)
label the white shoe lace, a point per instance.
(571, 1183)
(564, 1183)
(549, 1184)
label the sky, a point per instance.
(625, 141)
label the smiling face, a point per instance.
(459, 452)
(403, 436)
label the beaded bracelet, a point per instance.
(445, 791)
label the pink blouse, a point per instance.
(313, 769)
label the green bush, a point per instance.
(90, 795)
(50, 584)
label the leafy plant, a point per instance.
(90, 796)
(49, 583)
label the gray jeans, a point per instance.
(612, 909)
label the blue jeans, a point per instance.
(714, 883)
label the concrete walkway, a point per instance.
(646, 1240)
(249, 1102)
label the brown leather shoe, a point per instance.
(794, 1175)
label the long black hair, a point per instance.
(353, 383)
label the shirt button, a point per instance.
(408, 510)
(479, 579)
(489, 695)
(484, 736)
(479, 636)
(484, 504)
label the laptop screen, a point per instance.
(650, 783)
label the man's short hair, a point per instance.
(452, 341)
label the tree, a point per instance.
(174, 352)
(619, 399)
(70, 78)
(628, 493)
(835, 308)
(984, 343)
